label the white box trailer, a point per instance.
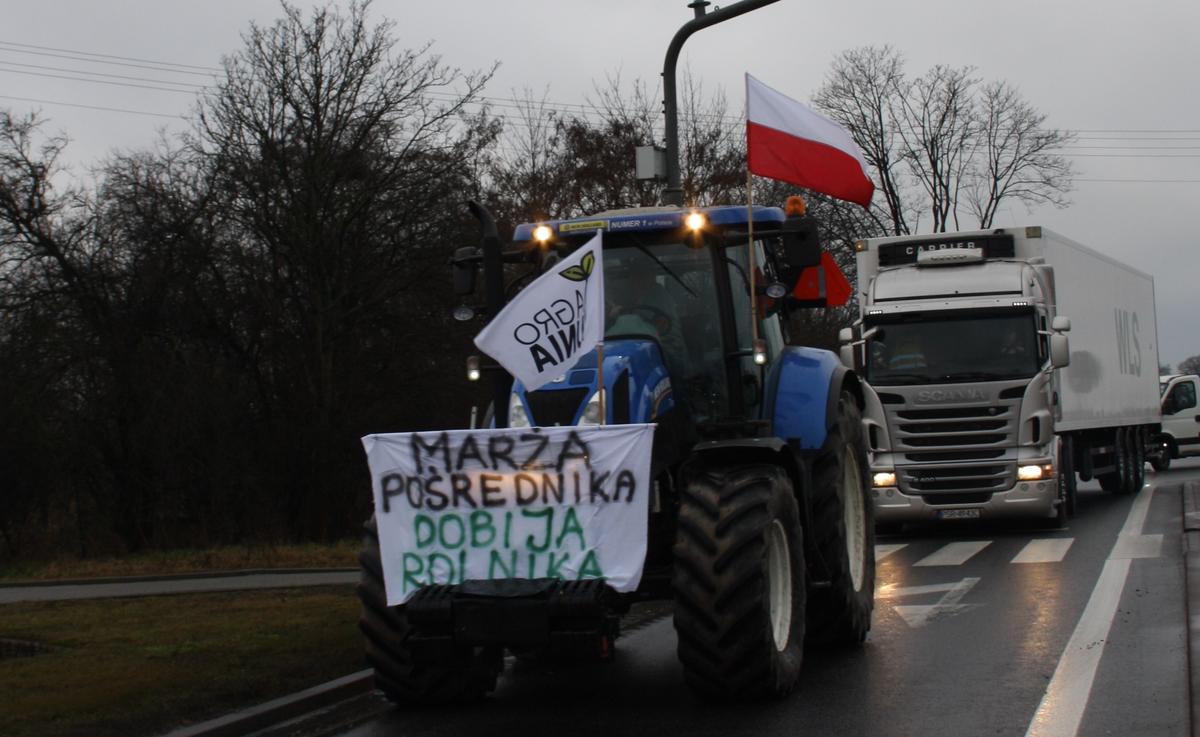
(1003, 363)
(1112, 379)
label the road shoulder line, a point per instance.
(1191, 562)
(1061, 710)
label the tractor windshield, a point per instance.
(666, 291)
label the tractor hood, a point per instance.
(635, 376)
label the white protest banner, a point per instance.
(547, 328)
(554, 502)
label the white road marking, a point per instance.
(919, 615)
(953, 554)
(883, 550)
(892, 591)
(1047, 550)
(1061, 710)
(1137, 546)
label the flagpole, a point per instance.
(750, 245)
(600, 380)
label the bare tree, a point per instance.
(1016, 156)
(859, 93)
(1189, 365)
(342, 160)
(944, 145)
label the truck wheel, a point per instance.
(739, 582)
(386, 632)
(1137, 449)
(1066, 475)
(1127, 461)
(1160, 460)
(844, 532)
(1118, 480)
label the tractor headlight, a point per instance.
(591, 411)
(517, 417)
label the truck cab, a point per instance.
(1180, 436)
(981, 407)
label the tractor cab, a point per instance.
(680, 347)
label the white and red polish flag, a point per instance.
(787, 140)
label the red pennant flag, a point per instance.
(825, 282)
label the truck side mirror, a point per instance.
(1060, 351)
(1061, 324)
(845, 335)
(846, 354)
(464, 262)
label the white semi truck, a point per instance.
(982, 406)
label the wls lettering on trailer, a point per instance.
(559, 502)
(1129, 349)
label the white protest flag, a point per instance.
(557, 502)
(547, 328)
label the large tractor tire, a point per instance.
(386, 632)
(739, 583)
(844, 532)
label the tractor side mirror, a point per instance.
(464, 263)
(801, 246)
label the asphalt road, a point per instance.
(979, 630)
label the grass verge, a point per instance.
(230, 558)
(142, 666)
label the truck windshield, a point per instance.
(949, 349)
(666, 291)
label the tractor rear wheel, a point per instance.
(739, 582)
(844, 532)
(386, 632)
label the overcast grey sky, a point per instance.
(1120, 73)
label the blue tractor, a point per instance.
(760, 527)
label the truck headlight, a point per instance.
(883, 478)
(517, 417)
(591, 412)
(1033, 473)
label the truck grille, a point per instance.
(979, 498)
(954, 428)
(958, 478)
(961, 449)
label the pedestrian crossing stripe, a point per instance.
(1042, 550)
(953, 554)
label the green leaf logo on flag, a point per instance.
(582, 271)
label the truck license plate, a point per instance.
(958, 514)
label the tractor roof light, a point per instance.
(695, 220)
(543, 233)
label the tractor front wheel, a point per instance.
(739, 582)
(844, 531)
